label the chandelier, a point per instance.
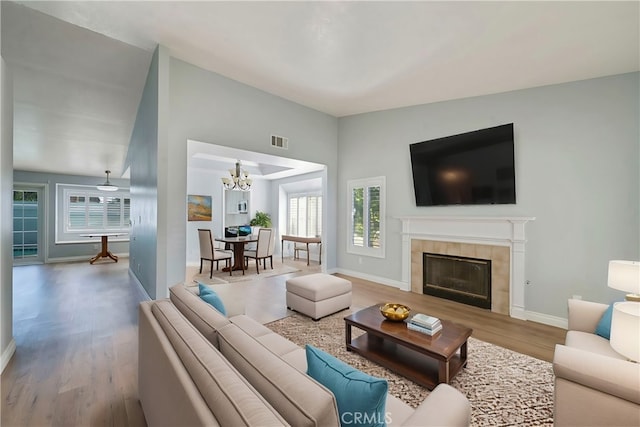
(239, 179)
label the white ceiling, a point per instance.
(78, 91)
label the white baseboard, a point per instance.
(377, 279)
(7, 354)
(533, 316)
(78, 258)
(141, 288)
(547, 319)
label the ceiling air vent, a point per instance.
(279, 142)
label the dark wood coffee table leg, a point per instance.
(347, 334)
(443, 371)
(463, 354)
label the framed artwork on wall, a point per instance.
(198, 208)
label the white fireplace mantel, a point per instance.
(502, 231)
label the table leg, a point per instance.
(238, 258)
(104, 253)
(347, 334)
(463, 354)
(307, 253)
(443, 372)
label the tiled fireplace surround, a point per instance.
(499, 239)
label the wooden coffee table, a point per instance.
(421, 358)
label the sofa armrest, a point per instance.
(445, 406)
(585, 315)
(611, 376)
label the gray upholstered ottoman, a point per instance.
(318, 295)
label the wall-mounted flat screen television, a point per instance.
(473, 168)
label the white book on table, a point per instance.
(424, 320)
(424, 330)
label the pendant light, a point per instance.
(107, 186)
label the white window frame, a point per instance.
(297, 196)
(366, 183)
(63, 234)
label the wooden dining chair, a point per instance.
(262, 249)
(209, 253)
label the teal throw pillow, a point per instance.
(603, 328)
(209, 295)
(361, 398)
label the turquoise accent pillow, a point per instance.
(361, 398)
(209, 295)
(603, 328)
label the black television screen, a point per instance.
(473, 168)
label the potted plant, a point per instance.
(262, 219)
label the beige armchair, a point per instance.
(594, 385)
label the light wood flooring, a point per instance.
(75, 327)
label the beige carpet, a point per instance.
(250, 274)
(505, 388)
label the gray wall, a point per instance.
(210, 108)
(67, 251)
(577, 172)
(142, 159)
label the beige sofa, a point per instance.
(198, 367)
(594, 385)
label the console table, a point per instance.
(305, 240)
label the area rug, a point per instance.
(505, 388)
(250, 274)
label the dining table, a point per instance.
(238, 243)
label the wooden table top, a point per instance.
(103, 234)
(240, 239)
(442, 345)
(302, 239)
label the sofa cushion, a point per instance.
(278, 344)
(210, 296)
(296, 396)
(233, 295)
(591, 343)
(232, 400)
(203, 316)
(361, 398)
(603, 328)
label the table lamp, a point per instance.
(625, 322)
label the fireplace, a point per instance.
(462, 279)
(499, 239)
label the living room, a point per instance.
(576, 161)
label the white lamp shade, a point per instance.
(624, 276)
(625, 329)
(107, 187)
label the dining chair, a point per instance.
(272, 247)
(209, 253)
(262, 248)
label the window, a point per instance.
(25, 224)
(366, 217)
(305, 215)
(83, 209)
